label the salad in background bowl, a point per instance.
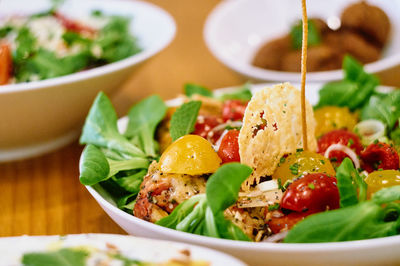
(334, 202)
(49, 44)
(41, 115)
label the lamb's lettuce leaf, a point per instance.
(204, 214)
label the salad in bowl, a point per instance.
(50, 44)
(231, 165)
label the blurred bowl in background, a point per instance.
(40, 116)
(236, 29)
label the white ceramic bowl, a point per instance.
(12, 248)
(37, 117)
(236, 29)
(380, 251)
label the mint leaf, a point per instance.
(184, 119)
(353, 91)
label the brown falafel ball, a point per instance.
(370, 20)
(319, 58)
(269, 56)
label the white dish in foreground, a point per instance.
(12, 248)
(380, 251)
(257, 21)
(38, 117)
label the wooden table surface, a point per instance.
(43, 196)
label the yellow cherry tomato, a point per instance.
(332, 117)
(382, 179)
(301, 163)
(191, 155)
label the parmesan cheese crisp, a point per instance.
(272, 128)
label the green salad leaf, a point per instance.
(115, 163)
(361, 221)
(184, 119)
(241, 93)
(352, 188)
(223, 188)
(143, 120)
(192, 89)
(204, 214)
(395, 136)
(4, 30)
(296, 34)
(352, 92)
(385, 108)
(61, 257)
(101, 128)
(93, 166)
(116, 41)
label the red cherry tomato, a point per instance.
(314, 192)
(205, 124)
(229, 148)
(72, 25)
(340, 136)
(379, 156)
(5, 63)
(233, 110)
(279, 221)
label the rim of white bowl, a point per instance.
(204, 240)
(248, 70)
(146, 53)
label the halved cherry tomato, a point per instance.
(314, 192)
(279, 221)
(5, 63)
(190, 155)
(229, 148)
(233, 110)
(379, 156)
(205, 124)
(343, 137)
(329, 118)
(382, 179)
(301, 163)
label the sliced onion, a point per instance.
(224, 125)
(277, 237)
(370, 130)
(345, 149)
(218, 143)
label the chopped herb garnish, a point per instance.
(311, 185)
(280, 184)
(294, 168)
(273, 207)
(287, 183)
